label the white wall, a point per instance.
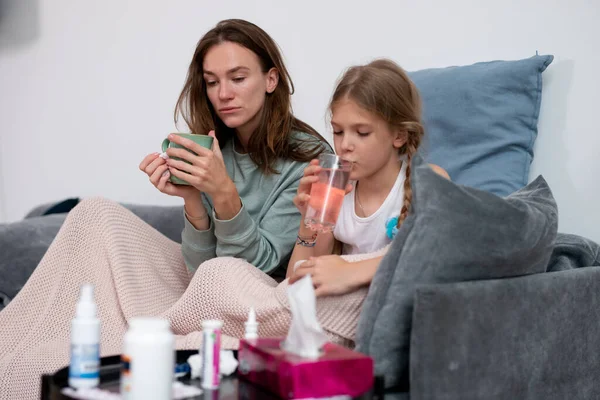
(88, 88)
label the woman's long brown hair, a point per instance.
(272, 138)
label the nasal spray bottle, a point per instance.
(251, 326)
(85, 342)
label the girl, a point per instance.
(376, 121)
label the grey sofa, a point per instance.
(24, 243)
(530, 337)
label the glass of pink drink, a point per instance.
(327, 195)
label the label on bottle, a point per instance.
(125, 376)
(85, 361)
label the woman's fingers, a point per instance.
(189, 178)
(182, 154)
(147, 160)
(151, 167)
(188, 144)
(181, 165)
(157, 174)
(162, 182)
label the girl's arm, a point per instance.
(323, 246)
(332, 275)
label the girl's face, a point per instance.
(236, 85)
(363, 138)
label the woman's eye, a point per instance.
(239, 79)
(364, 133)
(211, 83)
(338, 132)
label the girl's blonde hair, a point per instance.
(383, 88)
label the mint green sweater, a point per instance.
(264, 231)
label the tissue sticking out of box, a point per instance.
(305, 337)
(227, 364)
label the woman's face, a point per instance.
(236, 85)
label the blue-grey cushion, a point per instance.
(453, 233)
(481, 120)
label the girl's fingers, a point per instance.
(312, 170)
(309, 180)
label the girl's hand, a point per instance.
(311, 175)
(206, 173)
(157, 170)
(331, 275)
(303, 194)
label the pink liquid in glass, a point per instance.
(326, 198)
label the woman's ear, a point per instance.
(400, 138)
(272, 80)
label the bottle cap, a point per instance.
(251, 325)
(86, 308)
(149, 324)
(212, 324)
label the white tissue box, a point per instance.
(338, 371)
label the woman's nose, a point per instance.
(225, 92)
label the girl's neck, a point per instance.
(381, 182)
(372, 191)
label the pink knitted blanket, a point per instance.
(137, 271)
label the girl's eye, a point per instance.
(338, 132)
(211, 83)
(364, 133)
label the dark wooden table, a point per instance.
(231, 387)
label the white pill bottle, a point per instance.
(148, 360)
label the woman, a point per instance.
(239, 204)
(239, 89)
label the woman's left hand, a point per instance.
(331, 275)
(207, 171)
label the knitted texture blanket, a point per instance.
(136, 271)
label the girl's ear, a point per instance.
(272, 80)
(400, 138)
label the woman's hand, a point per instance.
(331, 275)
(311, 175)
(206, 171)
(157, 170)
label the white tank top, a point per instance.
(365, 235)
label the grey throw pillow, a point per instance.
(453, 233)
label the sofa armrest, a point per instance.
(531, 337)
(168, 220)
